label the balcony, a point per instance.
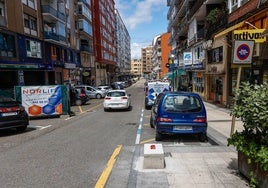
(54, 36)
(50, 14)
(195, 7)
(86, 48)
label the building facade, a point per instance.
(123, 64)
(203, 34)
(161, 51)
(104, 32)
(53, 42)
(136, 68)
(146, 58)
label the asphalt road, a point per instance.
(79, 151)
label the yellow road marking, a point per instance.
(94, 107)
(105, 174)
(145, 141)
(147, 116)
(80, 108)
(146, 124)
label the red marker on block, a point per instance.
(152, 146)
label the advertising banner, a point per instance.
(243, 51)
(42, 100)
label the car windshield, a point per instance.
(116, 94)
(181, 103)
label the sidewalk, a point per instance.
(195, 166)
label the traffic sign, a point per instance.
(243, 52)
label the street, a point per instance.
(74, 151)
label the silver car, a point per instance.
(91, 91)
(104, 88)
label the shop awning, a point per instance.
(228, 30)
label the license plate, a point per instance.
(9, 114)
(177, 128)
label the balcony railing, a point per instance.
(86, 48)
(50, 10)
(54, 36)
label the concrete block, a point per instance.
(153, 156)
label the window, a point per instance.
(7, 45)
(33, 49)
(2, 9)
(215, 55)
(30, 3)
(30, 22)
(234, 5)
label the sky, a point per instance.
(144, 20)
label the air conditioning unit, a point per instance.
(256, 50)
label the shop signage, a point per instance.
(243, 51)
(253, 34)
(187, 58)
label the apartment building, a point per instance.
(104, 32)
(203, 34)
(146, 58)
(51, 42)
(40, 43)
(160, 57)
(123, 64)
(136, 68)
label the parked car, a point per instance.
(179, 113)
(116, 85)
(78, 97)
(12, 114)
(91, 91)
(104, 88)
(117, 99)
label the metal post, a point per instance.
(173, 79)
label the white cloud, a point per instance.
(136, 12)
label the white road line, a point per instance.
(46, 127)
(138, 136)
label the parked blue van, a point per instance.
(179, 113)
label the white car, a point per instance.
(117, 99)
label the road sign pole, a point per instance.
(237, 87)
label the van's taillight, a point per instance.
(200, 120)
(107, 98)
(161, 119)
(124, 98)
